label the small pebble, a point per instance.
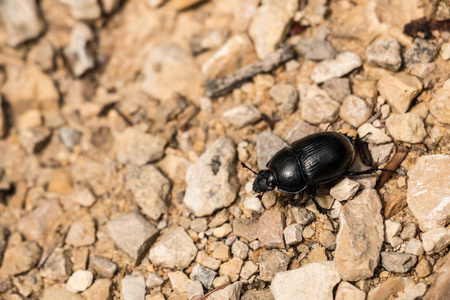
(293, 234)
(397, 262)
(343, 64)
(422, 51)
(242, 115)
(344, 190)
(407, 127)
(79, 281)
(386, 54)
(270, 229)
(133, 288)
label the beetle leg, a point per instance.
(297, 199)
(368, 171)
(323, 211)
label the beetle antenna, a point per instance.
(247, 167)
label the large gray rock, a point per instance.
(150, 189)
(175, 249)
(360, 237)
(429, 190)
(211, 182)
(313, 281)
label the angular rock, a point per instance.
(58, 266)
(175, 249)
(211, 182)
(87, 10)
(270, 229)
(436, 240)
(133, 288)
(150, 189)
(422, 51)
(386, 54)
(346, 291)
(232, 268)
(204, 275)
(407, 127)
(216, 37)
(316, 106)
(381, 153)
(302, 216)
(82, 232)
(376, 135)
(337, 88)
(69, 137)
(248, 269)
(299, 130)
(267, 144)
(424, 268)
(254, 204)
(414, 246)
(195, 290)
(231, 292)
(327, 239)
(239, 249)
(344, 190)
(355, 111)
(440, 288)
(133, 234)
(22, 257)
(266, 38)
(392, 229)
(397, 262)
(271, 262)
(409, 231)
(304, 281)
(221, 252)
(428, 190)
(34, 140)
(344, 63)
(286, 97)
(293, 234)
(22, 19)
(242, 115)
(153, 280)
(79, 54)
(139, 148)
(179, 281)
(388, 288)
(316, 49)
(246, 228)
(103, 266)
(360, 237)
(99, 290)
(440, 105)
(79, 281)
(399, 90)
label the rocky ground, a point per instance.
(123, 125)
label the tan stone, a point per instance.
(440, 105)
(399, 90)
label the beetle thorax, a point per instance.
(265, 181)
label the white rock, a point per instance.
(316, 106)
(79, 53)
(211, 182)
(407, 127)
(385, 53)
(372, 134)
(22, 19)
(381, 153)
(343, 64)
(414, 246)
(231, 292)
(392, 229)
(429, 190)
(133, 288)
(302, 283)
(242, 115)
(355, 110)
(194, 290)
(445, 51)
(254, 204)
(344, 190)
(293, 234)
(436, 240)
(179, 281)
(286, 97)
(348, 291)
(79, 281)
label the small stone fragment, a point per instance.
(428, 190)
(179, 281)
(315, 49)
(272, 262)
(175, 249)
(103, 266)
(392, 228)
(22, 19)
(194, 290)
(302, 216)
(231, 292)
(436, 240)
(360, 237)
(150, 189)
(254, 204)
(316, 106)
(267, 144)
(381, 153)
(248, 270)
(397, 262)
(99, 290)
(414, 292)
(79, 281)
(344, 63)
(440, 105)
(304, 281)
(242, 115)
(133, 234)
(308, 233)
(82, 232)
(373, 134)
(232, 268)
(409, 231)
(327, 239)
(344, 190)
(239, 249)
(399, 90)
(87, 10)
(407, 127)
(43, 55)
(246, 228)
(424, 268)
(346, 291)
(69, 137)
(414, 246)
(286, 97)
(136, 147)
(221, 252)
(270, 229)
(355, 111)
(386, 54)
(34, 140)
(422, 51)
(21, 257)
(58, 266)
(204, 275)
(293, 234)
(153, 280)
(79, 53)
(337, 88)
(133, 288)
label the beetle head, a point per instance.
(265, 181)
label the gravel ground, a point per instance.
(123, 125)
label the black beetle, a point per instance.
(313, 160)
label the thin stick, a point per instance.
(215, 290)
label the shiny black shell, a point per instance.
(312, 160)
